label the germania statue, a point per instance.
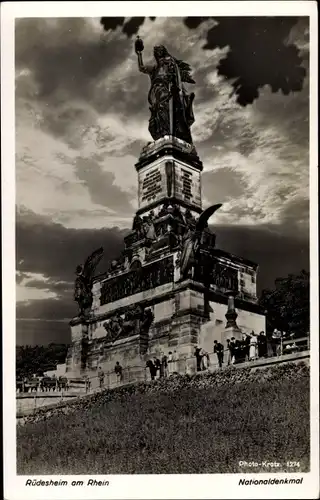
(170, 104)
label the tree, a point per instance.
(288, 305)
(38, 359)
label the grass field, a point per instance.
(186, 430)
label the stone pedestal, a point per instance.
(169, 169)
(228, 333)
(147, 277)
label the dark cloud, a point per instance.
(59, 309)
(277, 252)
(101, 186)
(65, 56)
(296, 215)
(129, 27)
(55, 251)
(40, 332)
(67, 59)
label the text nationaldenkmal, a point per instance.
(258, 482)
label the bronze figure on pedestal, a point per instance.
(170, 104)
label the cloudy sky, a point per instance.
(82, 119)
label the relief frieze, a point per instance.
(139, 280)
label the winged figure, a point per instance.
(84, 281)
(192, 239)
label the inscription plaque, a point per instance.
(187, 184)
(151, 185)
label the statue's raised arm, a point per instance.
(170, 104)
(142, 67)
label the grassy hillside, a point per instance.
(201, 424)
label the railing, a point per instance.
(90, 384)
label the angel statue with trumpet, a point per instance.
(170, 104)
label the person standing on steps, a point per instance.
(164, 365)
(204, 363)
(275, 341)
(246, 339)
(218, 350)
(101, 377)
(170, 363)
(197, 353)
(232, 347)
(229, 352)
(253, 351)
(152, 369)
(175, 361)
(262, 345)
(157, 365)
(118, 372)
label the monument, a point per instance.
(170, 287)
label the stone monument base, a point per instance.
(184, 316)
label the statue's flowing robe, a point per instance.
(170, 105)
